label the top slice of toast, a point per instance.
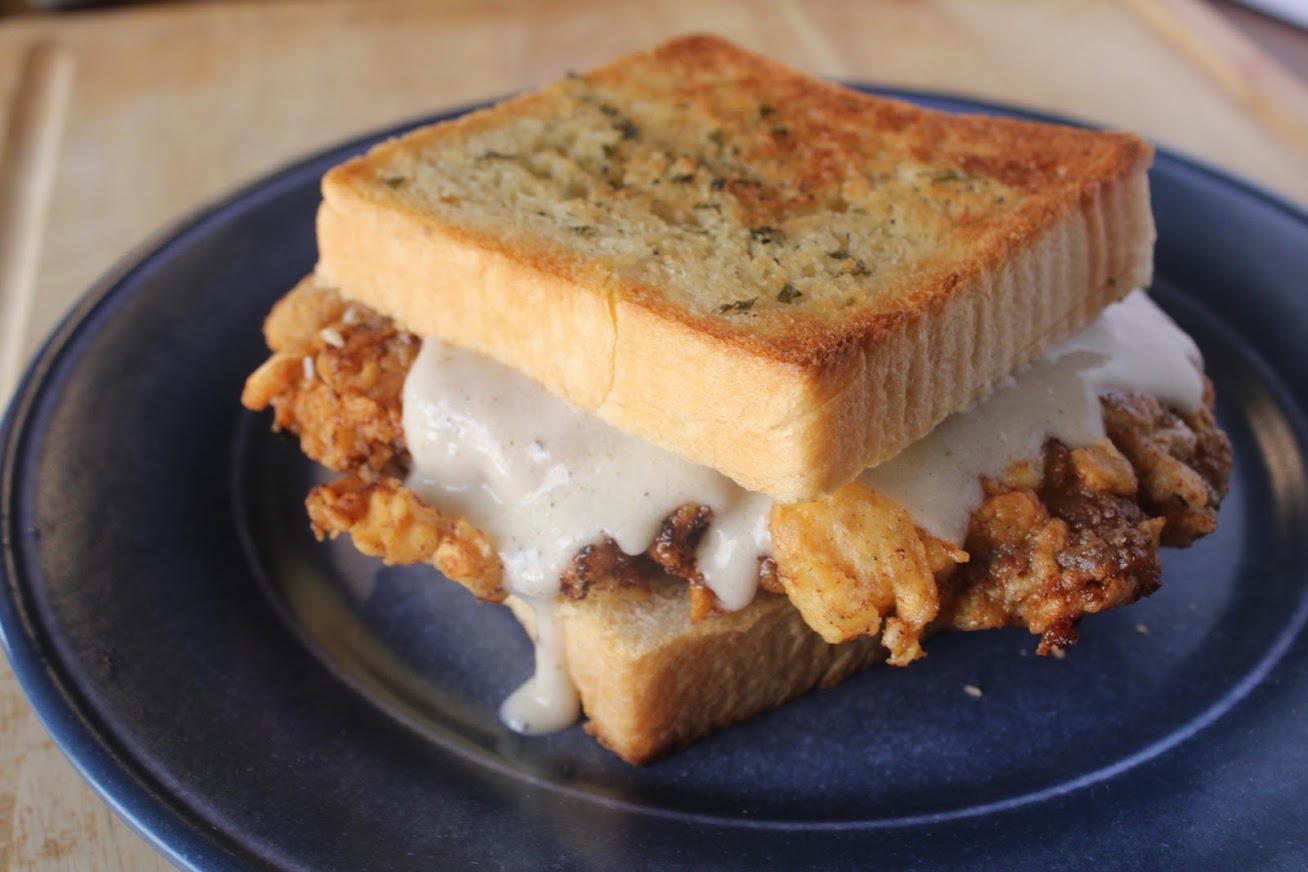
(769, 274)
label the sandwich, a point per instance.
(732, 382)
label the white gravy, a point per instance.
(547, 702)
(1132, 346)
(545, 479)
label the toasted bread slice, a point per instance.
(761, 271)
(652, 681)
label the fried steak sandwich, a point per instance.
(732, 382)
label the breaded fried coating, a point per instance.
(1044, 558)
(335, 380)
(853, 557)
(1043, 549)
(387, 520)
(1183, 462)
(605, 565)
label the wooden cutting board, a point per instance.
(117, 123)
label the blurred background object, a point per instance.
(1280, 27)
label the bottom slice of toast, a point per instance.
(651, 681)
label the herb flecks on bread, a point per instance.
(804, 278)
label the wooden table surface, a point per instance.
(115, 123)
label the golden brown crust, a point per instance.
(1043, 558)
(387, 520)
(335, 380)
(1184, 461)
(867, 265)
(853, 559)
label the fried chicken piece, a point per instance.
(678, 537)
(1087, 539)
(299, 316)
(854, 556)
(1183, 462)
(602, 566)
(335, 380)
(1045, 547)
(606, 566)
(1078, 534)
(1044, 559)
(674, 552)
(387, 520)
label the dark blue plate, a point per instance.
(247, 697)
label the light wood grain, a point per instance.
(1270, 93)
(28, 158)
(171, 106)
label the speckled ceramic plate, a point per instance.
(247, 697)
